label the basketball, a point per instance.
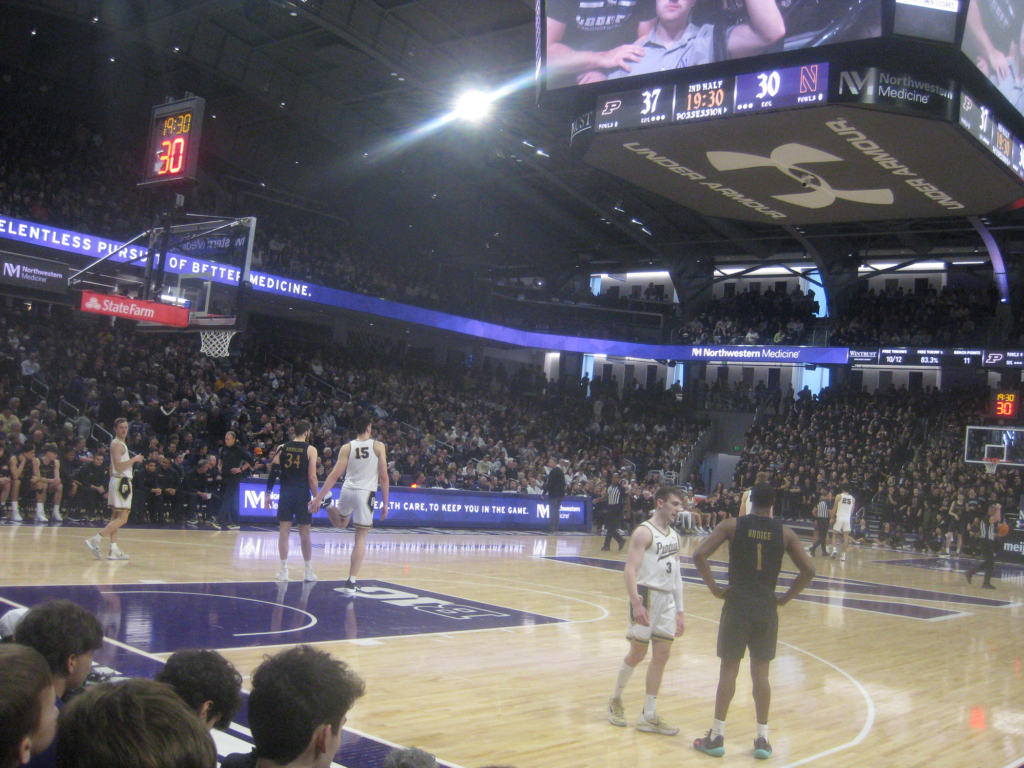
(1002, 529)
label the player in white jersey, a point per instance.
(762, 477)
(842, 514)
(119, 492)
(364, 462)
(655, 590)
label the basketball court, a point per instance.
(502, 649)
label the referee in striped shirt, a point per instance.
(822, 517)
(988, 534)
(616, 495)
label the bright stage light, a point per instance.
(473, 105)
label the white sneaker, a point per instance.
(310, 576)
(842, 558)
(349, 588)
(116, 554)
(55, 517)
(15, 516)
(94, 545)
(282, 575)
(41, 518)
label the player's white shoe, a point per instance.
(15, 516)
(94, 545)
(349, 589)
(116, 553)
(655, 724)
(55, 517)
(40, 518)
(282, 575)
(309, 576)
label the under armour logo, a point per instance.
(788, 159)
(93, 303)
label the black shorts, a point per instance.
(822, 524)
(293, 504)
(748, 624)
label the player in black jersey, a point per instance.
(750, 614)
(295, 464)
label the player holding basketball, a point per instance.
(750, 615)
(656, 617)
(842, 515)
(988, 532)
(295, 465)
(119, 496)
(364, 463)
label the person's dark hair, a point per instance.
(302, 426)
(663, 493)
(413, 757)
(762, 497)
(59, 629)
(201, 676)
(362, 422)
(24, 675)
(50, 448)
(132, 724)
(294, 693)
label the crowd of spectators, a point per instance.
(753, 317)
(479, 429)
(952, 316)
(58, 709)
(900, 453)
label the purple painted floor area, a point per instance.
(840, 592)
(956, 565)
(247, 614)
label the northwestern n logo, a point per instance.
(787, 159)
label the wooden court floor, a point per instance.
(503, 649)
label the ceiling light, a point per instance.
(473, 105)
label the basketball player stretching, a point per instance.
(295, 465)
(119, 496)
(750, 615)
(364, 463)
(656, 617)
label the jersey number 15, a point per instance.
(363, 452)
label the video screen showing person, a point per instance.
(994, 42)
(588, 41)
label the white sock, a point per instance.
(39, 508)
(650, 702)
(625, 672)
(14, 506)
(309, 565)
(762, 731)
(718, 728)
(284, 564)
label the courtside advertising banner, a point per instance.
(134, 309)
(418, 507)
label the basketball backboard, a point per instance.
(994, 442)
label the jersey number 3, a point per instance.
(363, 452)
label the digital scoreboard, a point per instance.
(172, 153)
(978, 120)
(712, 98)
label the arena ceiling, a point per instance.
(330, 104)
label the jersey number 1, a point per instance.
(759, 555)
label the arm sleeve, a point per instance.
(275, 473)
(677, 592)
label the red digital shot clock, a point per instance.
(1004, 405)
(173, 150)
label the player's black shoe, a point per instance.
(710, 745)
(762, 749)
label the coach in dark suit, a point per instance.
(554, 489)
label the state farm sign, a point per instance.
(134, 309)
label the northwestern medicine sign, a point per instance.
(36, 274)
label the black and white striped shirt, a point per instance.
(987, 529)
(614, 496)
(822, 510)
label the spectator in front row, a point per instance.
(132, 724)
(207, 682)
(299, 702)
(28, 715)
(66, 635)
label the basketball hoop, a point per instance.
(991, 465)
(216, 343)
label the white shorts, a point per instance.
(661, 611)
(359, 504)
(116, 499)
(842, 524)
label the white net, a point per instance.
(991, 465)
(216, 343)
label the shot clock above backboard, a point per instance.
(172, 152)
